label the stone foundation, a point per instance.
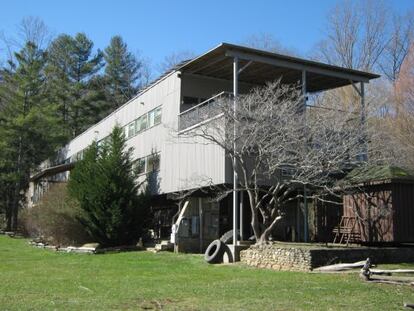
(302, 257)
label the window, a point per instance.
(151, 118)
(131, 129)
(140, 166)
(138, 125)
(153, 163)
(142, 122)
(157, 117)
(145, 121)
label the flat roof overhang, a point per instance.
(258, 67)
(50, 171)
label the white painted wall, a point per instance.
(184, 164)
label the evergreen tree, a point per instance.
(104, 183)
(29, 127)
(73, 79)
(121, 72)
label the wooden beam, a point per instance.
(292, 65)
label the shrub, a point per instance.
(55, 218)
(104, 183)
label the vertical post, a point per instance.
(364, 155)
(305, 199)
(241, 216)
(305, 215)
(200, 214)
(235, 177)
(304, 88)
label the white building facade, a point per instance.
(153, 119)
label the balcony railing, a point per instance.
(204, 111)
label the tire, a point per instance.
(227, 238)
(214, 252)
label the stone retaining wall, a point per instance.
(305, 258)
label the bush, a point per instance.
(55, 218)
(104, 183)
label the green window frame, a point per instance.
(140, 166)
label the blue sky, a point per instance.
(160, 27)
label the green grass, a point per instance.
(37, 279)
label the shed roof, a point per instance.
(263, 66)
(376, 173)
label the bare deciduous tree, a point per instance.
(281, 147)
(400, 39)
(30, 29)
(267, 42)
(355, 34)
(173, 59)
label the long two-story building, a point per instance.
(175, 103)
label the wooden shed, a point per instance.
(382, 205)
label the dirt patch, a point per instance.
(155, 305)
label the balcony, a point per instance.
(202, 112)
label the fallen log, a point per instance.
(340, 267)
(387, 272)
(401, 279)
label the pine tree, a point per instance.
(29, 127)
(104, 183)
(74, 82)
(122, 72)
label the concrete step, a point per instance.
(164, 247)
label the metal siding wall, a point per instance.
(165, 93)
(184, 165)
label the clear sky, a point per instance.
(159, 27)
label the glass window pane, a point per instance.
(140, 166)
(131, 129)
(151, 116)
(144, 123)
(157, 118)
(138, 125)
(153, 163)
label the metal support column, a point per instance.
(235, 177)
(364, 155)
(305, 199)
(201, 223)
(241, 216)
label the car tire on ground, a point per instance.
(214, 252)
(227, 238)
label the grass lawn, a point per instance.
(37, 279)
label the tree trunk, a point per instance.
(8, 215)
(255, 221)
(265, 235)
(14, 210)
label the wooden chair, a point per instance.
(346, 231)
